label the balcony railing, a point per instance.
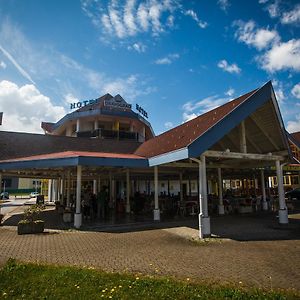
(109, 134)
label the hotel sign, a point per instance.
(116, 104)
(82, 103)
(141, 111)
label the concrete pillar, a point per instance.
(68, 187)
(200, 200)
(96, 125)
(62, 189)
(220, 189)
(156, 212)
(69, 130)
(95, 187)
(263, 190)
(127, 191)
(77, 125)
(205, 217)
(283, 212)
(78, 215)
(50, 190)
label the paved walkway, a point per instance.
(253, 250)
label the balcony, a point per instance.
(109, 134)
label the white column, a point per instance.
(127, 191)
(50, 190)
(200, 201)
(263, 190)
(156, 212)
(283, 212)
(68, 187)
(77, 125)
(95, 187)
(220, 188)
(78, 216)
(205, 217)
(96, 124)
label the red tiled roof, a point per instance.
(184, 134)
(71, 154)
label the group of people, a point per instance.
(95, 206)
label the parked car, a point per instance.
(34, 194)
(4, 195)
(295, 193)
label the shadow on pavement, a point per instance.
(261, 226)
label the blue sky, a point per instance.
(177, 59)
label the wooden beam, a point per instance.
(260, 126)
(242, 131)
(236, 155)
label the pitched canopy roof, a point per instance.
(184, 134)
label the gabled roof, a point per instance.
(184, 134)
(296, 136)
(192, 138)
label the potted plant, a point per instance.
(30, 222)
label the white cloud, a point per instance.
(25, 107)
(279, 91)
(64, 75)
(262, 1)
(192, 109)
(292, 16)
(69, 98)
(16, 64)
(194, 16)
(273, 9)
(225, 66)
(296, 90)
(167, 60)
(138, 47)
(130, 18)
(230, 92)
(2, 65)
(169, 125)
(259, 38)
(282, 56)
(294, 125)
(224, 4)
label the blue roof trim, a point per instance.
(39, 163)
(74, 161)
(113, 162)
(168, 157)
(235, 117)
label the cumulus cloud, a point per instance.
(224, 4)
(296, 91)
(25, 107)
(167, 60)
(274, 9)
(292, 16)
(230, 68)
(260, 38)
(194, 16)
(192, 109)
(293, 125)
(282, 56)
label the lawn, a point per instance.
(32, 281)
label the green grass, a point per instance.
(32, 281)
